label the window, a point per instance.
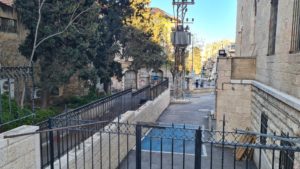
(273, 27)
(286, 158)
(8, 25)
(263, 128)
(295, 44)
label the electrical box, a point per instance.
(181, 38)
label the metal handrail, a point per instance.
(77, 110)
(141, 90)
(54, 129)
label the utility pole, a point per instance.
(181, 39)
(193, 55)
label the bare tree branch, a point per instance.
(41, 4)
(72, 20)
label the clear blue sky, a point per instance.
(214, 19)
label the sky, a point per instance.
(214, 19)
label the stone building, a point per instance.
(137, 79)
(263, 80)
(12, 33)
(143, 77)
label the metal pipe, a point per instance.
(49, 130)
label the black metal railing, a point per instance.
(154, 145)
(211, 149)
(156, 90)
(88, 144)
(148, 93)
(105, 109)
(140, 97)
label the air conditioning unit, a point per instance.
(8, 86)
(37, 93)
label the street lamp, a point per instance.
(222, 53)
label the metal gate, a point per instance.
(175, 146)
(168, 146)
(91, 144)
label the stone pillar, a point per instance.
(20, 152)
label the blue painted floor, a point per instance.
(180, 139)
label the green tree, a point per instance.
(58, 38)
(105, 42)
(138, 40)
(195, 61)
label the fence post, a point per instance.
(1, 113)
(33, 90)
(132, 101)
(149, 93)
(223, 140)
(198, 148)
(51, 141)
(167, 83)
(156, 91)
(138, 146)
(9, 97)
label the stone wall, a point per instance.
(20, 152)
(281, 70)
(97, 156)
(243, 101)
(143, 76)
(233, 101)
(243, 68)
(276, 84)
(234, 92)
(9, 42)
(283, 117)
(245, 31)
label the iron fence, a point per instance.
(105, 110)
(140, 97)
(156, 90)
(96, 144)
(17, 95)
(188, 146)
(88, 144)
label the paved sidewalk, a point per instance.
(195, 113)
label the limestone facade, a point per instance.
(279, 72)
(272, 78)
(137, 79)
(11, 39)
(234, 96)
(20, 152)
